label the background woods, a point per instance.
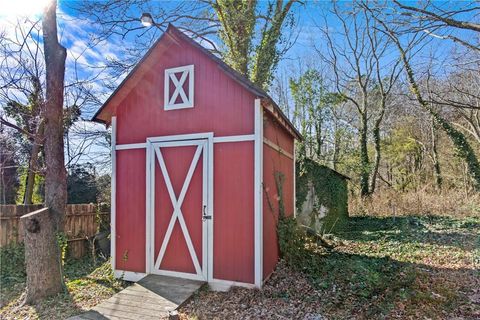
(356, 99)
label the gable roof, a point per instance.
(173, 32)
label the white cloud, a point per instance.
(21, 8)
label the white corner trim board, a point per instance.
(129, 275)
(294, 181)
(258, 196)
(113, 190)
(149, 174)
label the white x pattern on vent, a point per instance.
(187, 72)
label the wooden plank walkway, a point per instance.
(153, 297)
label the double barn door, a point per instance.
(179, 215)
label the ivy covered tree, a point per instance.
(30, 127)
(462, 146)
(364, 73)
(254, 56)
(252, 33)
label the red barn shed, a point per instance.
(195, 151)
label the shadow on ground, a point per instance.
(434, 230)
(87, 282)
(415, 267)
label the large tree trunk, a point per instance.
(42, 263)
(55, 179)
(42, 253)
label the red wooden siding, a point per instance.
(221, 105)
(274, 132)
(274, 161)
(130, 212)
(233, 212)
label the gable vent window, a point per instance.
(179, 88)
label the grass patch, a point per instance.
(88, 282)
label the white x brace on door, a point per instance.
(200, 214)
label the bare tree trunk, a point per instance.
(318, 138)
(364, 160)
(32, 166)
(376, 141)
(336, 150)
(42, 263)
(436, 163)
(55, 179)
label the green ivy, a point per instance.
(331, 191)
(294, 244)
(62, 242)
(297, 248)
(12, 265)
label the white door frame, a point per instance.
(204, 143)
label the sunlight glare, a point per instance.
(22, 8)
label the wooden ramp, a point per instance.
(153, 297)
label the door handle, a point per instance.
(205, 216)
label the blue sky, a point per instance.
(86, 61)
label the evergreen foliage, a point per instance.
(81, 184)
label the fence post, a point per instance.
(44, 274)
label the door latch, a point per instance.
(205, 216)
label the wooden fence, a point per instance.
(81, 223)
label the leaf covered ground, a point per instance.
(88, 283)
(410, 267)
